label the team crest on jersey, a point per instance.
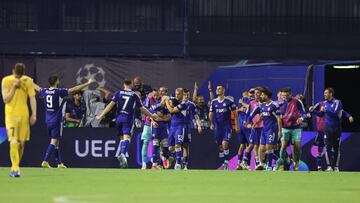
(224, 104)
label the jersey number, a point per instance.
(126, 101)
(49, 101)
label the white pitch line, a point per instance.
(64, 199)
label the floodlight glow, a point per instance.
(347, 67)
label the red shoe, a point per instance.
(166, 163)
(154, 167)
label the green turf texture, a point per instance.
(38, 185)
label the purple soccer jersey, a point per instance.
(192, 111)
(127, 102)
(222, 111)
(222, 118)
(53, 104)
(178, 125)
(179, 118)
(269, 113)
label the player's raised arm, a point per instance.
(106, 110)
(8, 93)
(211, 117)
(195, 92)
(211, 93)
(80, 87)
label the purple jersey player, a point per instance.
(192, 119)
(127, 102)
(178, 109)
(255, 133)
(159, 131)
(220, 122)
(270, 115)
(244, 134)
(53, 97)
(332, 110)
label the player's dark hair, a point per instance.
(186, 90)
(52, 80)
(267, 92)
(259, 88)
(221, 85)
(78, 92)
(127, 82)
(286, 89)
(19, 69)
(331, 90)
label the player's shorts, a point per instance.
(293, 135)
(18, 127)
(160, 133)
(255, 135)
(222, 134)
(244, 135)
(124, 128)
(269, 136)
(176, 135)
(146, 133)
(319, 139)
(55, 130)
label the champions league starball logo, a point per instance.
(90, 71)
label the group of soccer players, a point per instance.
(263, 126)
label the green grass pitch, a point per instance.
(130, 185)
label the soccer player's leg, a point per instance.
(271, 141)
(218, 133)
(186, 148)
(282, 155)
(156, 148)
(245, 164)
(54, 133)
(124, 142)
(49, 151)
(165, 148)
(242, 145)
(225, 146)
(179, 138)
(145, 137)
(57, 153)
(329, 149)
(336, 144)
(155, 153)
(12, 127)
(320, 143)
(296, 140)
(262, 151)
(258, 132)
(171, 143)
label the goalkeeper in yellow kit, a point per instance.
(16, 89)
